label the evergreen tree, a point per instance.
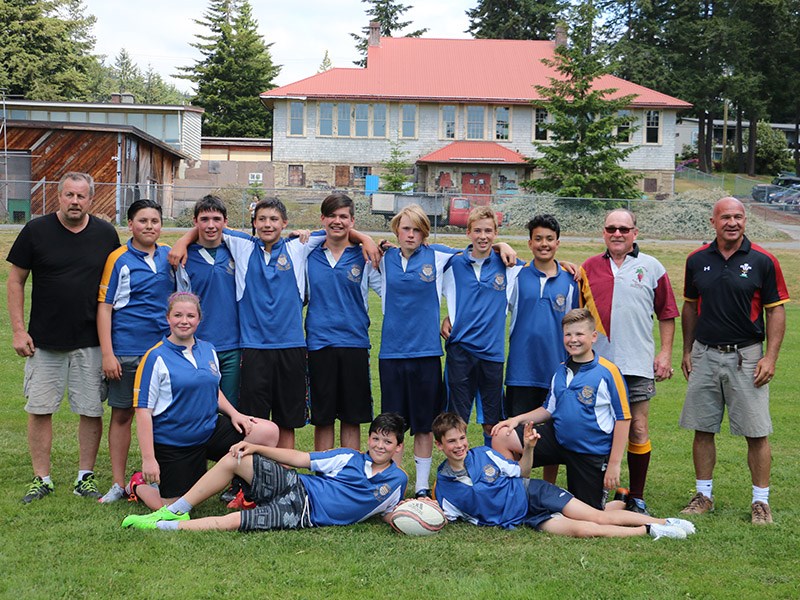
(583, 157)
(235, 68)
(388, 13)
(396, 168)
(126, 75)
(326, 64)
(515, 19)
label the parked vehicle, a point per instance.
(440, 209)
(766, 192)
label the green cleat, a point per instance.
(150, 521)
(37, 490)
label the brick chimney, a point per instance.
(561, 34)
(374, 33)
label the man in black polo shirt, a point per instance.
(734, 292)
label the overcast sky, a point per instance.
(158, 32)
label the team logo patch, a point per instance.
(499, 282)
(587, 395)
(490, 473)
(213, 367)
(640, 273)
(283, 263)
(230, 268)
(746, 268)
(354, 274)
(381, 491)
(427, 273)
(560, 302)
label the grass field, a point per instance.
(67, 547)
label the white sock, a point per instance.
(168, 525)
(423, 472)
(761, 494)
(180, 506)
(704, 486)
(82, 472)
(47, 479)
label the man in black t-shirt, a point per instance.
(66, 252)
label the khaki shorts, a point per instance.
(718, 380)
(49, 373)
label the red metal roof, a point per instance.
(474, 152)
(453, 70)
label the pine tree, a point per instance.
(236, 67)
(326, 64)
(515, 19)
(126, 76)
(395, 168)
(388, 13)
(583, 157)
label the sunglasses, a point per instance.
(622, 230)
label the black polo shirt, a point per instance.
(733, 293)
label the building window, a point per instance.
(296, 176)
(502, 123)
(624, 129)
(343, 120)
(447, 122)
(408, 120)
(352, 120)
(652, 127)
(475, 117)
(379, 120)
(361, 172)
(361, 115)
(297, 112)
(540, 125)
(326, 118)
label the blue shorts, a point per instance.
(468, 377)
(412, 388)
(545, 500)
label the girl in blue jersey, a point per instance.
(136, 282)
(182, 418)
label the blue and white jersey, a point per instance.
(347, 491)
(270, 288)
(411, 301)
(587, 405)
(538, 303)
(491, 492)
(181, 387)
(210, 273)
(477, 294)
(137, 287)
(338, 312)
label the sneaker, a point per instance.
(229, 495)
(687, 526)
(115, 493)
(150, 521)
(698, 505)
(424, 493)
(136, 479)
(762, 515)
(241, 503)
(37, 490)
(666, 531)
(622, 494)
(637, 505)
(87, 487)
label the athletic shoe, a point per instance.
(424, 493)
(666, 531)
(150, 521)
(687, 526)
(699, 504)
(637, 505)
(241, 503)
(761, 513)
(622, 494)
(37, 490)
(86, 487)
(115, 493)
(136, 479)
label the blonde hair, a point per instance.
(176, 297)
(417, 217)
(578, 315)
(481, 212)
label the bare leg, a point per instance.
(423, 445)
(704, 454)
(286, 438)
(585, 529)
(759, 459)
(151, 497)
(219, 477)
(90, 431)
(580, 511)
(323, 437)
(507, 445)
(229, 522)
(40, 442)
(265, 433)
(350, 435)
(119, 442)
(550, 473)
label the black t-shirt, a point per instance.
(65, 268)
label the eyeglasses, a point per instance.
(622, 230)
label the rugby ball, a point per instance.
(417, 517)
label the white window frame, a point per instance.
(474, 108)
(443, 123)
(293, 119)
(536, 113)
(495, 122)
(648, 114)
(352, 107)
(402, 121)
(631, 123)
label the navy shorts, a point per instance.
(469, 378)
(521, 399)
(412, 388)
(274, 386)
(341, 386)
(545, 500)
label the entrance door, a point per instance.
(476, 185)
(342, 179)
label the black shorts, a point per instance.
(182, 466)
(471, 378)
(274, 385)
(412, 388)
(521, 399)
(340, 386)
(585, 472)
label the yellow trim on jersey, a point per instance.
(107, 270)
(137, 380)
(778, 303)
(586, 301)
(619, 381)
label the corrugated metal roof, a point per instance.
(453, 70)
(474, 152)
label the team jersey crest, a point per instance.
(213, 367)
(354, 274)
(490, 472)
(427, 273)
(587, 395)
(499, 282)
(283, 262)
(561, 302)
(382, 491)
(746, 268)
(230, 267)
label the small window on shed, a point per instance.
(650, 185)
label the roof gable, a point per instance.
(474, 152)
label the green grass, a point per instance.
(64, 546)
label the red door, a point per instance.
(476, 185)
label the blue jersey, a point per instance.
(270, 288)
(411, 301)
(587, 405)
(137, 289)
(538, 303)
(209, 273)
(491, 492)
(181, 387)
(346, 491)
(477, 308)
(338, 312)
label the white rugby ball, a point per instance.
(417, 517)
